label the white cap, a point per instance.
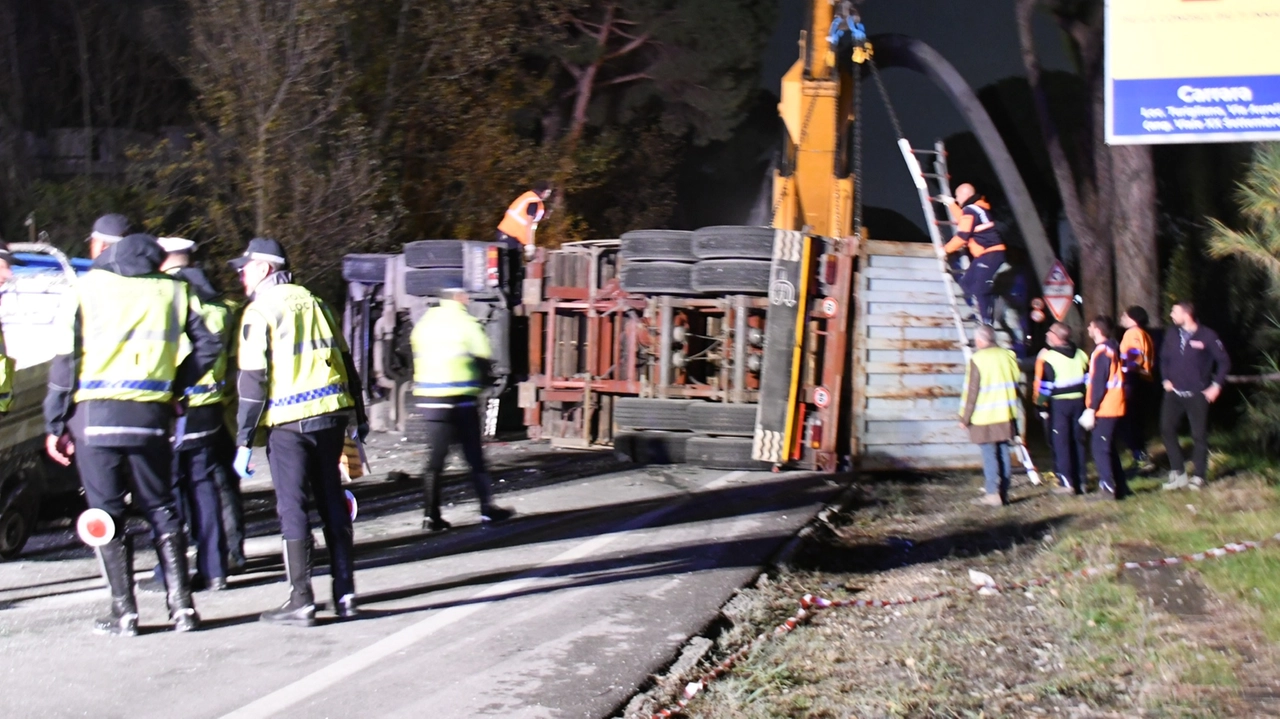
(176, 244)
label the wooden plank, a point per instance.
(903, 249)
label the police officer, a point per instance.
(1059, 387)
(989, 410)
(976, 232)
(110, 404)
(451, 355)
(7, 262)
(1104, 407)
(298, 389)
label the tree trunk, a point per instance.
(1133, 225)
(86, 112)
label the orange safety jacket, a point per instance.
(521, 216)
(976, 230)
(1106, 381)
(1136, 353)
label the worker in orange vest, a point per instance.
(520, 222)
(976, 232)
(1104, 407)
(1137, 355)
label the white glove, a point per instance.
(528, 251)
(241, 463)
(1088, 419)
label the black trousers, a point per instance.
(195, 471)
(302, 461)
(109, 473)
(1068, 441)
(979, 281)
(1106, 457)
(459, 423)
(1138, 398)
(1196, 409)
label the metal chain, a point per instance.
(884, 94)
(786, 184)
(857, 154)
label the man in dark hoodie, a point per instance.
(110, 403)
(1061, 369)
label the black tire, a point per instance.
(435, 253)
(370, 269)
(733, 241)
(429, 282)
(748, 277)
(652, 447)
(723, 453)
(675, 245)
(665, 414)
(17, 522)
(719, 418)
(657, 278)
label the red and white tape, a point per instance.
(979, 582)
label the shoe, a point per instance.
(172, 550)
(1059, 489)
(300, 609)
(346, 607)
(1195, 483)
(989, 500)
(1177, 480)
(494, 513)
(435, 524)
(117, 565)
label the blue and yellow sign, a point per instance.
(1192, 71)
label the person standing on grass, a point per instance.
(1061, 373)
(1194, 365)
(1104, 407)
(1137, 358)
(990, 411)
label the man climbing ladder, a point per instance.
(976, 231)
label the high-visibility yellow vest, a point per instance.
(130, 332)
(6, 376)
(306, 376)
(998, 394)
(1069, 375)
(446, 342)
(211, 388)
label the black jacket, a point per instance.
(1202, 362)
(133, 424)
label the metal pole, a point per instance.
(740, 349)
(664, 345)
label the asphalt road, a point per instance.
(561, 612)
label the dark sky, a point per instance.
(979, 37)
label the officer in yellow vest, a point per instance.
(7, 261)
(110, 403)
(298, 391)
(451, 355)
(520, 222)
(1061, 373)
(990, 410)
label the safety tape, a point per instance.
(979, 583)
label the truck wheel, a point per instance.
(428, 282)
(723, 453)
(748, 277)
(718, 418)
(642, 413)
(658, 245)
(652, 447)
(435, 253)
(733, 241)
(370, 269)
(17, 521)
(657, 278)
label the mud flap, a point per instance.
(784, 338)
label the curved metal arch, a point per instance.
(894, 50)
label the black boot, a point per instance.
(172, 549)
(431, 519)
(117, 566)
(300, 610)
(232, 516)
(342, 569)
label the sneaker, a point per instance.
(1177, 480)
(989, 500)
(1196, 483)
(1059, 489)
(494, 513)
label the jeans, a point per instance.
(995, 467)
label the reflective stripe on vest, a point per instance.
(131, 327)
(306, 376)
(1112, 404)
(446, 342)
(516, 222)
(998, 394)
(1069, 375)
(210, 389)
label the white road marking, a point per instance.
(328, 676)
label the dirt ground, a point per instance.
(1144, 643)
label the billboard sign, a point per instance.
(1192, 71)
